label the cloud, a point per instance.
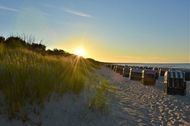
(5, 8)
(70, 11)
(8, 9)
(77, 13)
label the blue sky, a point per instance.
(109, 30)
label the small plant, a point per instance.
(99, 102)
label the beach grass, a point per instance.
(99, 101)
(30, 78)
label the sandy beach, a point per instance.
(129, 104)
(136, 104)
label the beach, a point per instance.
(136, 104)
(129, 103)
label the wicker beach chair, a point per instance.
(135, 74)
(174, 82)
(149, 77)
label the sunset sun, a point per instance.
(80, 52)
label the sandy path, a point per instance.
(136, 104)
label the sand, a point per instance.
(130, 104)
(136, 104)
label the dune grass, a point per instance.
(30, 78)
(99, 101)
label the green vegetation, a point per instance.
(99, 101)
(29, 75)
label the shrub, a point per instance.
(2, 39)
(15, 42)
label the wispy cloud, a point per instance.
(4, 8)
(70, 11)
(77, 13)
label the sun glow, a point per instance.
(80, 52)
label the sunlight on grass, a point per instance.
(28, 77)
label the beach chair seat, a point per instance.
(135, 74)
(174, 82)
(148, 77)
(119, 69)
(126, 71)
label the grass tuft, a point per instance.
(100, 102)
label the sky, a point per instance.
(130, 31)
